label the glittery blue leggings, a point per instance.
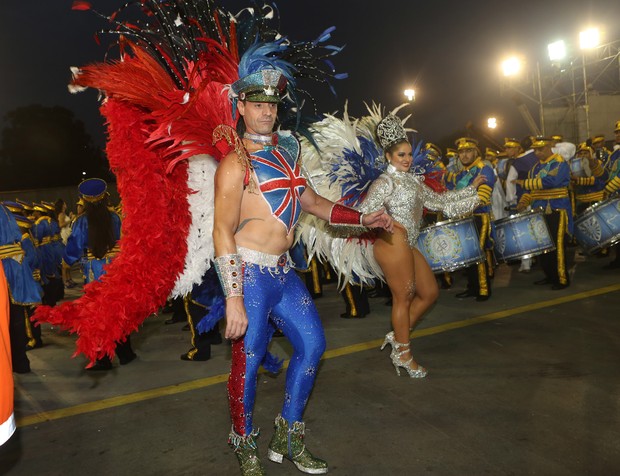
(277, 299)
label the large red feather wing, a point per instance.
(153, 243)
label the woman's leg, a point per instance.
(397, 262)
(426, 289)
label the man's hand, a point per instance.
(479, 180)
(236, 318)
(378, 219)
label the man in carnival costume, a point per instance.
(170, 121)
(257, 205)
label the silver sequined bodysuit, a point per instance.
(404, 195)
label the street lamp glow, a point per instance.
(589, 38)
(511, 66)
(410, 94)
(492, 122)
(557, 50)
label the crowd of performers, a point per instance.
(197, 114)
(39, 244)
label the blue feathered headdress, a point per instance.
(269, 71)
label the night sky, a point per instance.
(449, 51)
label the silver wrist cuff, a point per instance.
(230, 271)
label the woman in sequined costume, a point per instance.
(409, 277)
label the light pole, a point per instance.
(588, 39)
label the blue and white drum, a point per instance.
(522, 236)
(451, 244)
(599, 225)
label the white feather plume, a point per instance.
(200, 251)
(340, 246)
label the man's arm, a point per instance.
(321, 207)
(228, 195)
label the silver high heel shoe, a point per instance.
(398, 350)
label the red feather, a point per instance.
(152, 126)
(153, 245)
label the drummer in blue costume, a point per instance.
(20, 210)
(33, 260)
(50, 265)
(600, 151)
(613, 166)
(24, 291)
(589, 187)
(547, 187)
(478, 282)
(431, 165)
(522, 160)
(613, 185)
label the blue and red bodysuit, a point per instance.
(275, 298)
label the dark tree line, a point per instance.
(47, 147)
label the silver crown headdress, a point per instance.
(390, 130)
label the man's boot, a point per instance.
(247, 453)
(288, 442)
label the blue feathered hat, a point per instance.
(268, 70)
(93, 190)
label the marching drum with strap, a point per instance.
(599, 225)
(522, 235)
(451, 245)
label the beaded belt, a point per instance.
(263, 259)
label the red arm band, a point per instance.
(342, 215)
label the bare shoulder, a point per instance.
(231, 167)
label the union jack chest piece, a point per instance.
(281, 183)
